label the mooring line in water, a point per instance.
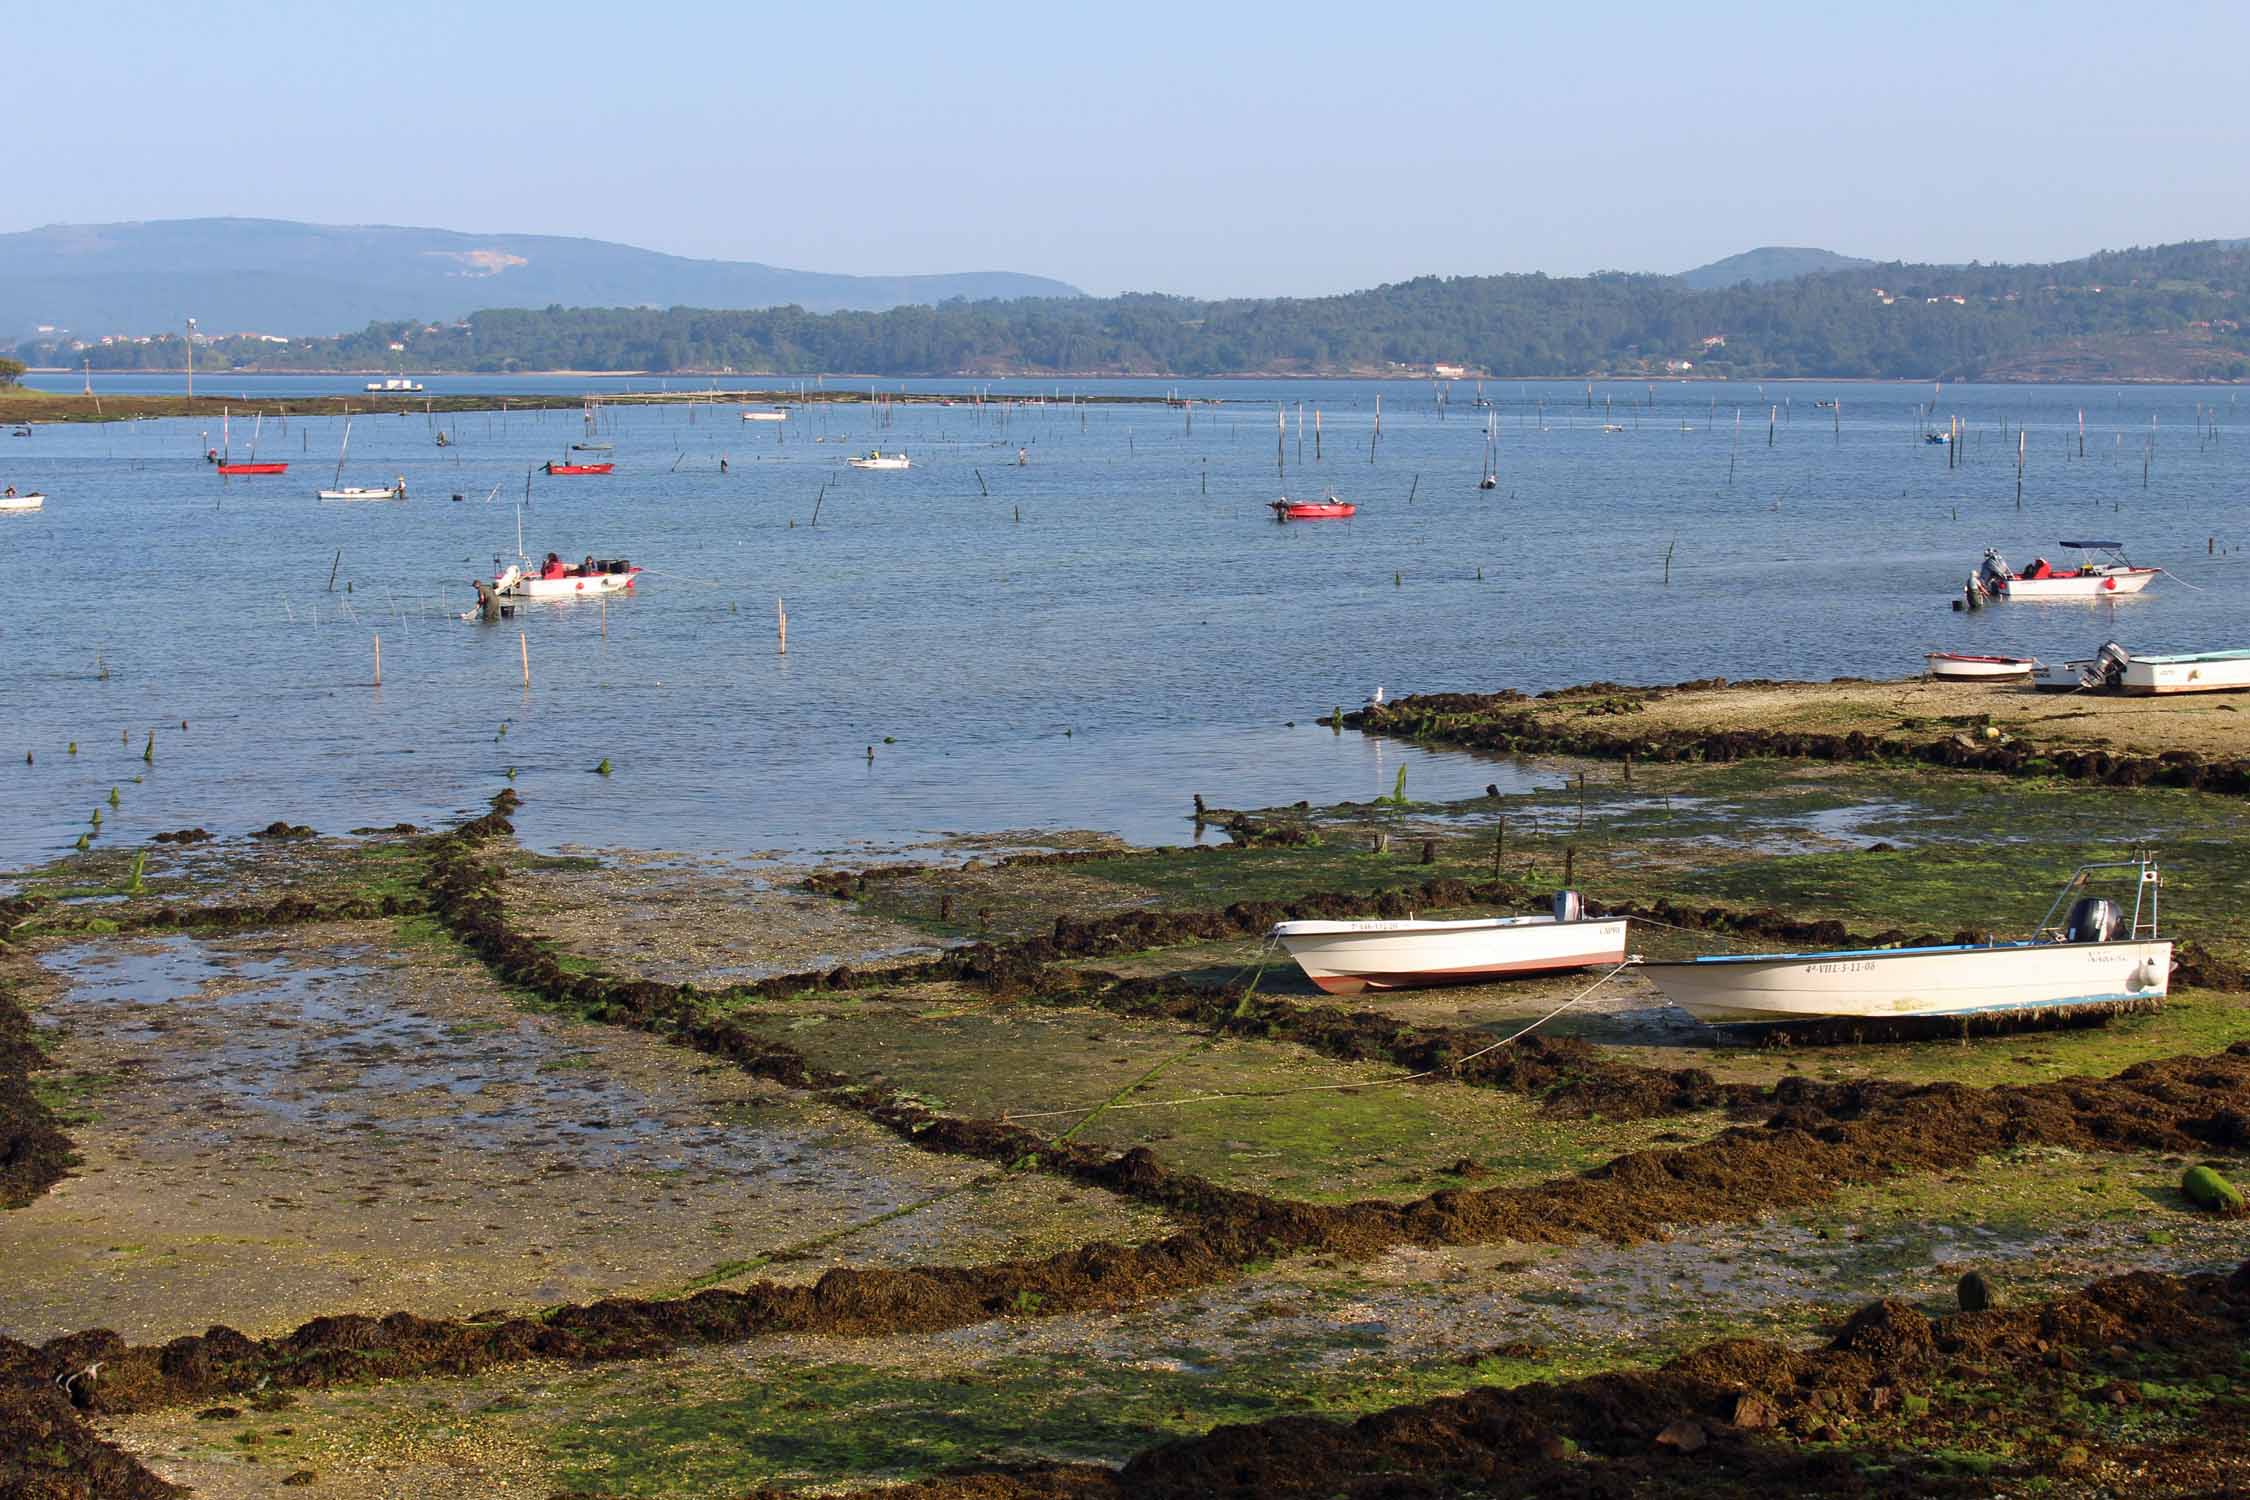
(1011, 1117)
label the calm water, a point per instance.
(1143, 633)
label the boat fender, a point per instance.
(2146, 976)
(1569, 907)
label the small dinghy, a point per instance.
(772, 416)
(878, 459)
(2097, 961)
(554, 468)
(1958, 666)
(1329, 509)
(1348, 958)
(14, 501)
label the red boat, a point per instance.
(1313, 510)
(253, 468)
(555, 468)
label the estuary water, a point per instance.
(1064, 615)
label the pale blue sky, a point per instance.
(1213, 149)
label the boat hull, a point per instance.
(1350, 958)
(22, 502)
(580, 468)
(2101, 585)
(1316, 512)
(765, 416)
(570, 588)
(2208, 672)
(1896, 984)
(878, 463)
(253, 468)
(1947, 667)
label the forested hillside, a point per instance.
(2167, 312)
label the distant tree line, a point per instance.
(1888, 321)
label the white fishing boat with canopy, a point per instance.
(2102, 571)
(2097, 960)
(880, 460)
(1348, 958)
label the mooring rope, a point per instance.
(1011, 1117)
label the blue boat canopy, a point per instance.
(2093, 546)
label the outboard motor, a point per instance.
(2093, 919)
(2108, 669)
(1569, 907)
(1992, 573)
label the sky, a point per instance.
(1213, 150)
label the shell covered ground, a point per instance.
(412, 1164)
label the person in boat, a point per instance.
(586, 568)
(553, 567)
(2039, 569)
(11, 492)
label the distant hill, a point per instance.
(281, 277)
(1769, 263)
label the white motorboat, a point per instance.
(393, 387)
(765, 416)
(558, 580)
(878, 459)
(2092, 578)
(14, 501)
(1347, 958)
(1957, 666)
(2066, 677)
(2192, 672)
(2096, 960)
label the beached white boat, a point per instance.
(394, 387)
(880, 460)
(2096, 959)
(2065, 677)
(14, 501)
(594, 576)
(1958, 666)
(1347, 958)
(765, 416)
(2092, 578)
(2192, 672)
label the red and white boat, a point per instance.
(1348, 958)
(1329, 509)
(2101, 577)
(555, 468)
(1959, 666)
(560, 580)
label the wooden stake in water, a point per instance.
(378, 658)
(781, 626)
(523, 644)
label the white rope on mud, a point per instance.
(1011, 1117)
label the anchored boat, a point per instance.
(552, 467)
(1347, 958)
(2097, 960)
(878, 459)
(560, 580)
(2093, 578)
(1329, 509)
(765, 416)
(14, 501)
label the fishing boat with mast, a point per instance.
(1491, 479)
(222, 457)
(339, 491)
(2097, 961)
